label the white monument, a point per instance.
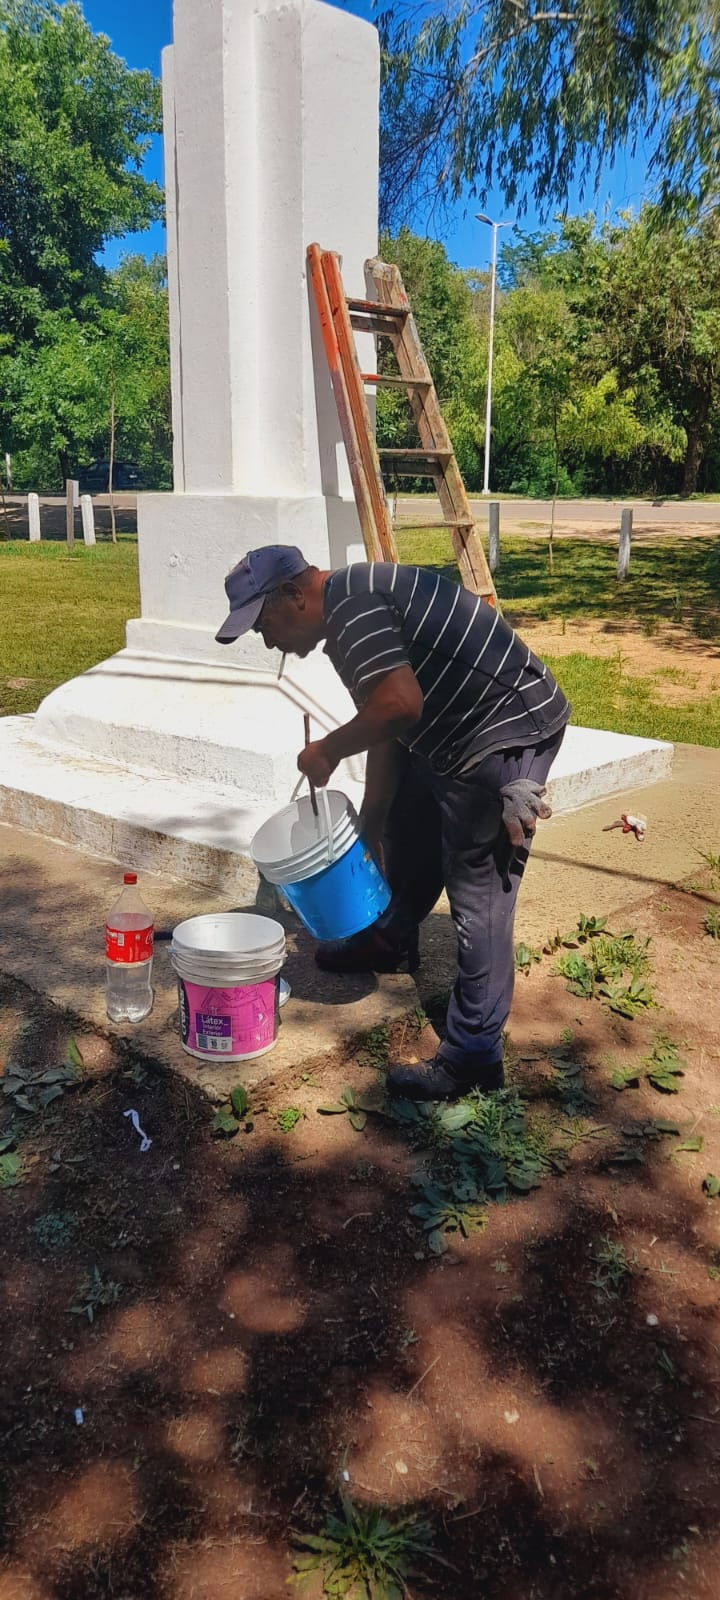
(271, 142)
(168, 754)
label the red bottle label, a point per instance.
(132, 946)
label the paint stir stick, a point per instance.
(313, 800)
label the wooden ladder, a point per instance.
(389, 316)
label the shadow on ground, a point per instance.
(671, 579)
(544, 1392)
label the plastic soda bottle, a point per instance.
(128, 955)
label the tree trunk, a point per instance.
(6, 531)
(64, 460)
(697, 433)
(556, 444)
(693, 456)
(113, 529)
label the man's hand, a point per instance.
(522, 805)
(316, 764)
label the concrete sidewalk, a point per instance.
(577, 866)
(52, 915)
(55, 900)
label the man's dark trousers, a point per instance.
(448, 833)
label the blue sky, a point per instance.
(140, 28)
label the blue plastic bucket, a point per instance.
(322, 865)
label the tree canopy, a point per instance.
(607, 356)
(78, 376)
(75, 126)
(533, 97)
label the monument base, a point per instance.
(197, 721)
(199, 829)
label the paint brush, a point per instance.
(313, 801)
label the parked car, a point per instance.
(95, 478)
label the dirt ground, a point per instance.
(688, 667)
(645, 532)
(268, 1313)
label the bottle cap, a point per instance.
(129, 877)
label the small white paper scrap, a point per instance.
(79, 1418)
(145, 1143)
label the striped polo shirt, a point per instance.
(484, 690)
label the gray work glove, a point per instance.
(522, 805)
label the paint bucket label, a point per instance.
(228, 1022)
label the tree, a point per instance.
(52, 389)
(137, 366)
(663, 291)
(644, 297)
(581, 397)
(532, 97)
(551, 397)
(94, 385)
(75, 124)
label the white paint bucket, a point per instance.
(322, 865)
(298, 841)
(227, 966)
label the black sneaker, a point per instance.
(442, 1080)
(372, 951)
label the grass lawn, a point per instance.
(671, 580)
(59, 614)
(604, 695)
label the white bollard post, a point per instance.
(34, 517)
(71, 486)
(626, 522)
(76, 493)
(88, 518)
(494, 535)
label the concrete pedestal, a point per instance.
(200, 830)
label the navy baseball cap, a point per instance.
(251, 580)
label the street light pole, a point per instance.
(488, 408)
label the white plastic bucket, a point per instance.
(227, 966)
(323, 865)
(296, 843)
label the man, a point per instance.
(461, 724)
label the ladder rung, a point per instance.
(408, 462)
(375, 308)
(382, 326)
(425, 527)
(425, 455)
(396, 383)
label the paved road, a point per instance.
(417, 509)
(605, 512)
